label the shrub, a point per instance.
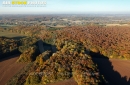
(33, 79)
(28, 55)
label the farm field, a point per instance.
(115, 71)
(9, 67)
(7, 26)
(117, 24)
(11, 35)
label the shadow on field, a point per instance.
(15, 38)
(44, 47)
(105, 68)
(9, 57)
(18, 37)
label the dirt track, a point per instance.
(8, 68)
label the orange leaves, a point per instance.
(100, 38)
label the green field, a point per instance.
(6, 26)
(12, 35)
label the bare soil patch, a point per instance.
(70, 81)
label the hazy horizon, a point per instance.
(72, 7)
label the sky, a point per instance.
(72, 7)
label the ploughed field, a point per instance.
(9, 67)
(115, 71)
(70, 81)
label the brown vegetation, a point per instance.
(69, 61)
(112, 42)
(28, 55)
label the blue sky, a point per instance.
(72, 6)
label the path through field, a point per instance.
(8, 68)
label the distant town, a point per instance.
(63, 20)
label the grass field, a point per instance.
(6, 26)
(11, 35)
(117, 25)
